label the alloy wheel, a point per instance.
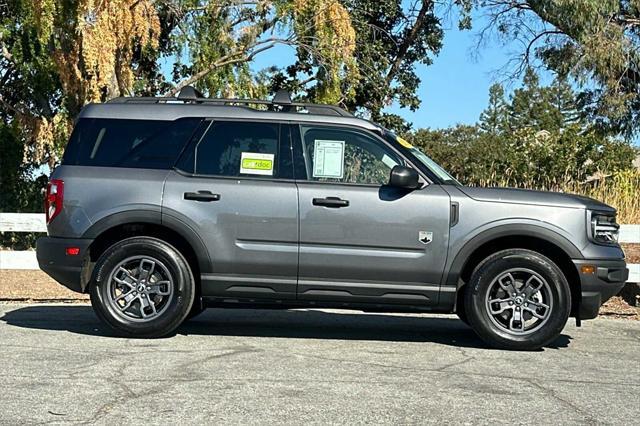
(519, 301)
(140, 288)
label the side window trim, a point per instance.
(197, 145)
(189, 147)
(301, 173)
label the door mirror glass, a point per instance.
(404, 177)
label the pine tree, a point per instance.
(495, 118)
(564, 100)
(550, 108)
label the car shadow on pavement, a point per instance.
(299, 324)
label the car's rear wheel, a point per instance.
(142, 287)
(518, 299)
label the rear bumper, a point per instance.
(597, 288)
(65, 269)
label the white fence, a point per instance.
(34, 222)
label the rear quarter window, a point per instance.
(150, 144)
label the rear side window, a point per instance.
(148, 144)
(240, 149)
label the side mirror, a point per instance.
(404, 177)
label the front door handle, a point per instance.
(201, 196)
(333, 202)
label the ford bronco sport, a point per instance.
(165, 206)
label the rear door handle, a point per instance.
(201, 196)
(333, 202)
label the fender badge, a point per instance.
(425, 237)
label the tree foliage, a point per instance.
(595, 42)
(534, 140)
(495, 117)
(215, 43)
(392, 39)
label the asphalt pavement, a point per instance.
(59, 365)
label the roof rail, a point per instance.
(281, 102)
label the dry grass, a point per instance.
(621, 191)
(617, 307)
(631, 252)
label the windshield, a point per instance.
(423, 158)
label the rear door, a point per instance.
(361, 240)
(233, 185)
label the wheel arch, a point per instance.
(123, 225)
(542, 240)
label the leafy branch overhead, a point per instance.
(219, 40)
(595, 42)
(96, 50)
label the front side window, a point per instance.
(346, 156)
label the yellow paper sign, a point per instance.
(403, 142)
(256, 163)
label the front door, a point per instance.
(361, 240)
(234, 187)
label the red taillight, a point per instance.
(53, 199)
(72, 251)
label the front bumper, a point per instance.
(608, 279)
(65, 269)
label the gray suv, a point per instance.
(163, 207)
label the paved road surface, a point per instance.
(59, 365)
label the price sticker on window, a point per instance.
(328, 159)
(254, 163)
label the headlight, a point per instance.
(604, 229)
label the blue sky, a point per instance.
(455, 88)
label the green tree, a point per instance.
(547, 145)
(215, 43)
(594, 42)
(392, 38)
(495, 118)
(547, 108)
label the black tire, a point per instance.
(196, 310)
(460, 308)
(462, 314)
(507, 330)
(172, 308)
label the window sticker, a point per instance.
(254, 163)
(328, 159)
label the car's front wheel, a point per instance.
(142, 287)
(518, 299)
